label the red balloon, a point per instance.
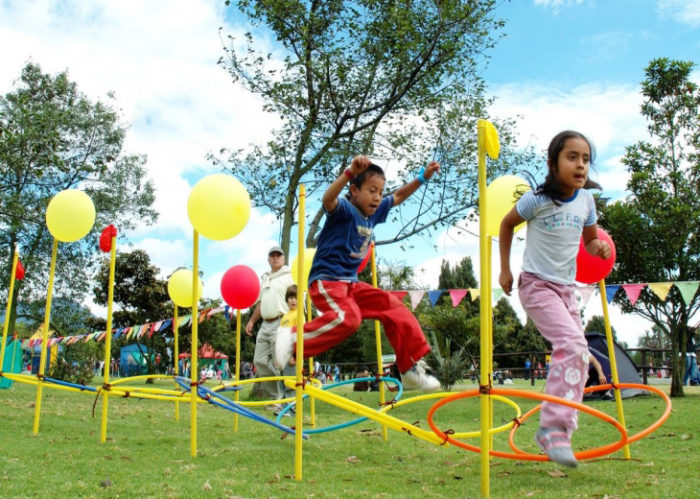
(364, 261)
(591, 269)
(240, 287)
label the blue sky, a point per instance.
(562, 64)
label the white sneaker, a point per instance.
(417, 379)
(284, 346)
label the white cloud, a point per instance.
(557, 4)
(159, 58)
(683, 11)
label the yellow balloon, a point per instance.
(491, 143)
(180, 288)
(218, 207)
(70, 215)
(501, 196)
(308, 260)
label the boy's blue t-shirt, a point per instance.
(344, 241)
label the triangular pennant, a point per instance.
(203, 315)
(687, 289)
(474, 293)
(457, 295)
(497, 293)
(433, 296)
(415, 295)
(633, 291)
(400, 295)
(142, 330)
(661, 289)
(610, 292)
(216, 310)
(165, 325)
(585, 292)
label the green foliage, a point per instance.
(52, 137)
(657, 228)
(596, 324)
(75, 363)
(139, 297)
(397, 80)
(448, 365)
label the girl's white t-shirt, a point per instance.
(554, 233)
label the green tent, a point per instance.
(12, 363)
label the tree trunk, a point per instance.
(678, 363)
(288, 219)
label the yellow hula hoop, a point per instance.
(469, 434)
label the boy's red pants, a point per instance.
(343, 306)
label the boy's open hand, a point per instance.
(359, 164)
(432, 168)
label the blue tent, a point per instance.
(132, 361)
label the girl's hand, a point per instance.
(603, 250)
(505, 279)
(432, 168)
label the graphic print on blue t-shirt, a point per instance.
(366, 233)
(344, 241)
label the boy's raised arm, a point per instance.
(406, 190)
(330, 197)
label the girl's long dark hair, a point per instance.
(550, 187)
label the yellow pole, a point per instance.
(613, 364)
(237, 368)
(10, 292)
(176, 354)
(487, 298)
(45, 339)
(312, 400)
(108, 338)
(299, 420)
(194, 350)
(378, 340)
(485, 353)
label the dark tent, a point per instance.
(627, 371)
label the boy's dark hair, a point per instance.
(371, 170)
(291, 291)
(550, 187)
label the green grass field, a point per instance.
(148, 452)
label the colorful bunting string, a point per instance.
(687, 289)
